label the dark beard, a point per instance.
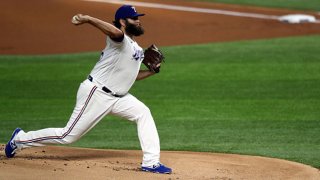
(133, 29)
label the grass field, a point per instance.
(313, 5)
(251, 97)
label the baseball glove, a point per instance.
(152, 58)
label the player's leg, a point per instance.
(134, 110)
(92, 105)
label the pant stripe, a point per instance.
(71, 127)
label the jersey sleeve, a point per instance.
(119, 39)
(114, 43)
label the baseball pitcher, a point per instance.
(106, 91)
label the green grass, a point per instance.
(251, 97)
(313, 5)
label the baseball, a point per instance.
(75, 20)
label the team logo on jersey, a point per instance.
(138, 54)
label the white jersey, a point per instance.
(119, 65)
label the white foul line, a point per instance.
(193, 9)
(189, 9)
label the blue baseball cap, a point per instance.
(126, 11)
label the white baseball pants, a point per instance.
(91, 106)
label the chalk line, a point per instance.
(192, 9)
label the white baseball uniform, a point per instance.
(116, 70)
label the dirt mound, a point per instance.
(56, 162)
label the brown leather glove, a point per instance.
(153, 57)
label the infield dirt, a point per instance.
(55, 162)
(44, 27)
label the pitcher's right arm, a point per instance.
(107, 28)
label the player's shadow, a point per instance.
(68, 153)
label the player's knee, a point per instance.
(69, 139)
(143, 112)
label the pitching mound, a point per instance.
(54, 162)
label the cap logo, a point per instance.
(134, 9)
(126, 11)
